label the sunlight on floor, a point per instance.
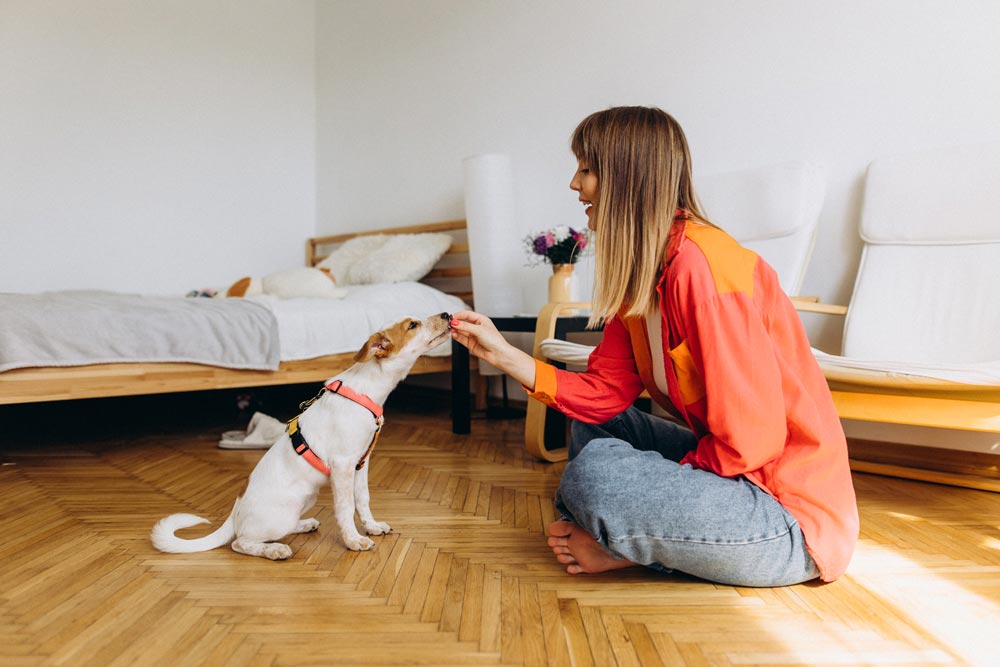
(952, 612)
(990, 543)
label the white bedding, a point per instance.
(309, 328)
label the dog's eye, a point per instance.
(413, 325)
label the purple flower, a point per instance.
(562, 245)
(541, 247)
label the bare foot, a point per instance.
(579, 552)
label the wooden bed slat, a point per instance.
(33, 385)
(450, 225)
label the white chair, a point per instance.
(772, 210)
(921, 341)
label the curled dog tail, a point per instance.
(164, 539)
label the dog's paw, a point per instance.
(277, 551)
(359, 543)
(308, 526)
(378, 528)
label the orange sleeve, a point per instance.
(607, 388)
(545, 383)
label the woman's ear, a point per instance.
(377, 346)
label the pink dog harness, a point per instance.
(336, 387)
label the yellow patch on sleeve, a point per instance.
(688, 379)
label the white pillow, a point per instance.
(386, 258)
(348, 253)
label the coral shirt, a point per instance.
(741, 375)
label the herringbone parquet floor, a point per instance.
(465, 578)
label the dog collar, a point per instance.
(336, 387)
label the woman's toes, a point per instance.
(561, 529)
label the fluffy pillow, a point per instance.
(386, 258)
(349, 253)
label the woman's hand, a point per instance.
(479, 334)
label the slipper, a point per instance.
(262, 432)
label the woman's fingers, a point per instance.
(467, 316)
(477, 333)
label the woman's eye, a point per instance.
(413, 325)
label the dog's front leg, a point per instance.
(362, 499)
(342, 481)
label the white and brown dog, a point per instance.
(332, 438)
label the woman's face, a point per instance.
(585, 183)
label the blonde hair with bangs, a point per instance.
(641, 159)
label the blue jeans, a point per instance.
(624, 485)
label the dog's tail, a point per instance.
(164, 539)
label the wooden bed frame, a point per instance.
(29, 385)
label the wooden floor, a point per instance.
(465, 578)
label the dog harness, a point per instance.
(336, 387)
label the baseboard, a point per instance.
(930, 464)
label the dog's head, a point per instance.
(408, 338)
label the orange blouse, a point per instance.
(743, 377)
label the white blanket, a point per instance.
(309, 328)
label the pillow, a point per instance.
(348, 253)
(386, 258)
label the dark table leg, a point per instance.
(461, 401)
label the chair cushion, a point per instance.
(926, 286)
(575, 354)
(909, 375)
(931, 304)
(772, 210)
(938, 197)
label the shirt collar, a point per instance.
(677, 234)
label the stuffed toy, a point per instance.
(290, 284)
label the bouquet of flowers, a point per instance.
(559, 245)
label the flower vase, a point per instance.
(560, 283)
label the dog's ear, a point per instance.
(376, 347)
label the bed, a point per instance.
(450, 276)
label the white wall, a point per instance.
(406, 89)
(154, 146)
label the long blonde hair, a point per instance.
(641, 159)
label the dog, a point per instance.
(331, 439)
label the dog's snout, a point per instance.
(445, 316)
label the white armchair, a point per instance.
(922, 332)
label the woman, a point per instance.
(755, 489)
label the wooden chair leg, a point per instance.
(534, 435)
(534, 424)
